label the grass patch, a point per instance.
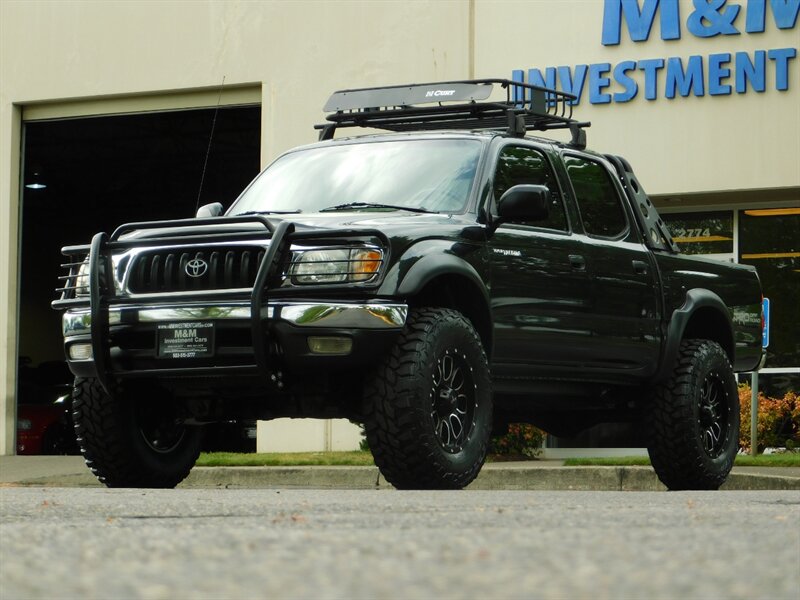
(364, 459)
(789, 459)
(285, 459)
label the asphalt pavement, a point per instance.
(71, 471)
(316, 544)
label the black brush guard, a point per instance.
(268, 276)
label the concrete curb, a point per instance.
(289, 477)
(633, 479)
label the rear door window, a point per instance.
(599, 204)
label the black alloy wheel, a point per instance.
(453, 400)
(714, 414)
(162, 433)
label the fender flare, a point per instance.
(434, 265)
(696, 298)
(442, 264)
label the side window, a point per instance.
(597, 197)
(518, 165)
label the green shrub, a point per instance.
(522, 439)
(778, 420)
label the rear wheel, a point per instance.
(131, 440)
(428, 407)
(693, 419)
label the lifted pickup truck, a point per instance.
(435, 283)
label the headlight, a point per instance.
(82, 280)
(336, 265)
(24, 425)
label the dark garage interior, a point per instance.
(86, 175)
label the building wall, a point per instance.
(677, 146)
(67, 58)
(307, 435)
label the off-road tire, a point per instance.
(113, 442)
(692, 419)
(436, 377)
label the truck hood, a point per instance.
(395, 223)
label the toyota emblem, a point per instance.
(196, 267)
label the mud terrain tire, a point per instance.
(428, 406)
(132, 441)
(692, 419)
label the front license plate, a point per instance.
(185, 340)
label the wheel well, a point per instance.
(709, 324)
(461, 294)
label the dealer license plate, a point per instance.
(185, 340)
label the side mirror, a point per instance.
(209, 210)
(524, 203)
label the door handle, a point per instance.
(577, 262)
(639, 267)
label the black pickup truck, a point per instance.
(434, 283)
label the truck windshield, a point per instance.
(429, 175)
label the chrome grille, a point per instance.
(201, 269)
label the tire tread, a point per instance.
(101, 427)
(392, 419)
(674, 452)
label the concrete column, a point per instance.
(10, 168)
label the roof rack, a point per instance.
(454, 105)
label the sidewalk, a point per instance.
(70, 471)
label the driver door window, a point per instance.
(518, 165)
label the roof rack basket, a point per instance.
(454, 105)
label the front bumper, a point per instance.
(132, 336)
(375, 315)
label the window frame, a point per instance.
(543, 151)
(626, 231)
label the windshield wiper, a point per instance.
(267, 212)
(375, 205)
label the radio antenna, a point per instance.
(210, 140)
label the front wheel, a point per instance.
(132, 440)
(693, 419)
(428, 407)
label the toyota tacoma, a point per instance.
(434, 282)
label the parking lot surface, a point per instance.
(282, 543)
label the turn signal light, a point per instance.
(366, 264)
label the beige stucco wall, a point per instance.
(10, 129)
(296, 53)
(678, 146)
(307, 435)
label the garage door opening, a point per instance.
(87, 175)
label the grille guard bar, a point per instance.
(268, 275)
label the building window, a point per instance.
(702, 232)
(769, 239)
